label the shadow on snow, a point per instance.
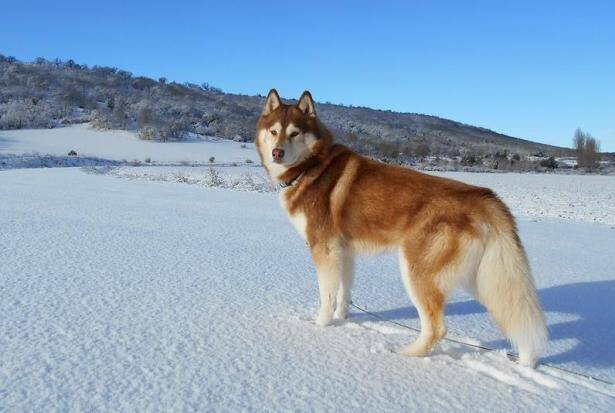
(594, 330)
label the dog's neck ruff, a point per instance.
(297, 173)
(294, 181)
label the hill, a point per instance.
(44, 94)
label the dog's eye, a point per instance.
(274, 132)
(295, 133)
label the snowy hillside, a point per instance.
(150, 293)
(68, 91)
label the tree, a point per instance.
(422, 150)
(587, 150)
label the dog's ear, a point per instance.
(272, 102)
(306, 104)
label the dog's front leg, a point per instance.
(328, 262)
(345, 285)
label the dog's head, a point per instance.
(288, 135)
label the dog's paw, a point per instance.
(416, 349)
(341, 313)
(323, 319)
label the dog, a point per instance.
(448, 233)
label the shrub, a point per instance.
(212, 159)
(148, 133)
(422, 150)
(215, 179)
(19, 114)
(549, 163)
(389, 149)
(469, 159)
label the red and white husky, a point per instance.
(448, 233)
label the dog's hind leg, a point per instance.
(429, 301)
(329, 260)
(345, 285)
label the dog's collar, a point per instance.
(292, 182)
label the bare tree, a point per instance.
(587, 149)
(579, 145)
(592, 153)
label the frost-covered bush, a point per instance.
(470, 159)
(215, 178)
(549, 163)
(24, 113)
(116, 117)
(148, 133)
(173, 131)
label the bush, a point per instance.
(422, 150)
(174, 131)
(549, 163)
(215, 179)
(389, 149)
(470, 159)
(20, 114)
(212, 159)
(148, 133)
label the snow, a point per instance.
(120, 145)
(148, 294)
(583, 198)
(238, 178)
(587, 198)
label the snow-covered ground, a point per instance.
(143, 294)
(120, 145)
(586, 198)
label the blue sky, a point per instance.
(535, 70)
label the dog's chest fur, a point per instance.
(297, 218)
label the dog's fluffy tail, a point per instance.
(505, 286)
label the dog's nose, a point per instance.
(277, 154)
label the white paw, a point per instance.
(526, 361)
(341, 313)
(323, 318)
(415, 349)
